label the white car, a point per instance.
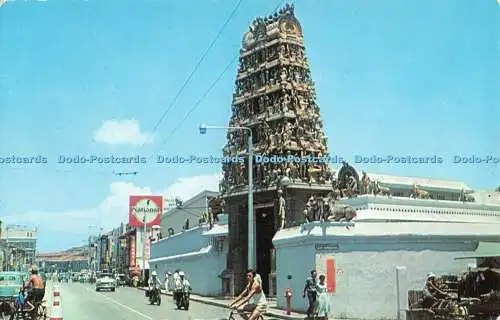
(105, 281)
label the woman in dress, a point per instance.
(323, 301)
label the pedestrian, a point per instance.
(323, 301)
(310, 291)
(177, 284)
(166, 281)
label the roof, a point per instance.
(188, 202)
(484, 250)
(408, 230)
(217, 231)
(422, 182)
(201, 252)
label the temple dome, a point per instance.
(290, 25)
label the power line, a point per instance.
(200, 100)
(186, 116)
(186, 82)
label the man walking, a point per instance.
(310, 291)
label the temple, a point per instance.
(276, 99)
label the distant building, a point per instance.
(63, 261)
(19, 243)
(174, 219)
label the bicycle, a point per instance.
(38, 312)
(243, 314)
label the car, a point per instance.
(105, 281)
(121, 279)
(10, 282)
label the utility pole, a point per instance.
(144, 248)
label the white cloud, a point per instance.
(122, 132)
(112, 210)
(185, 188)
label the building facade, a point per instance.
(20, 244)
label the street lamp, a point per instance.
(251, 216)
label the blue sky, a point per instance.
(392, 77)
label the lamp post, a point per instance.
(95, 238)
(251, 216)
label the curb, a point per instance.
(224, 305)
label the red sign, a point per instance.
(145, 211)
(132, 259)
(331, 276)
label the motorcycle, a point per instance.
(182, 299)
(135, 282)
(154, 296)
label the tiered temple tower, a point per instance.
(275, 97)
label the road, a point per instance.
(82, 302)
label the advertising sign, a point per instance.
(145, 210)
(132, 259)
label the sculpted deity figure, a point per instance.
(366, 183)
(282, 209)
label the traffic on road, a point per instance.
(80, 301)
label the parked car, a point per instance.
(10, 282)
(105, 281)
(121, 280)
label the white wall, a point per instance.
(296, 261)
(179, 252)
(367, 287)
(202, 270)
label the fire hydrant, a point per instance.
(288, 299)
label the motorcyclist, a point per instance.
(154, 281)
(180, 285)
(36, 288)
(185, 283)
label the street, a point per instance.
(82, 302)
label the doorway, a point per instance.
(264, 243)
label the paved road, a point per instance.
(82, 302)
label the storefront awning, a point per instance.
(484, 250)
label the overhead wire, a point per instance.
(210, 88)
(196, 67)
(200, 100)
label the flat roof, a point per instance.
(484, 250)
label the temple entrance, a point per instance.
(264, 243)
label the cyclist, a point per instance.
(36, 288)
(252, 299)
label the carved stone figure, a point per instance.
(366, 183)
(186, 224)
(418, 193)
(281, 209)
(342, 212)
(380, 190)
(466, 197)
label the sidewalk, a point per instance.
(224, 303)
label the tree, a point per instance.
(497, 189)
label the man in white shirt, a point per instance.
(184, 282)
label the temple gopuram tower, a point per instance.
(275, 97)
